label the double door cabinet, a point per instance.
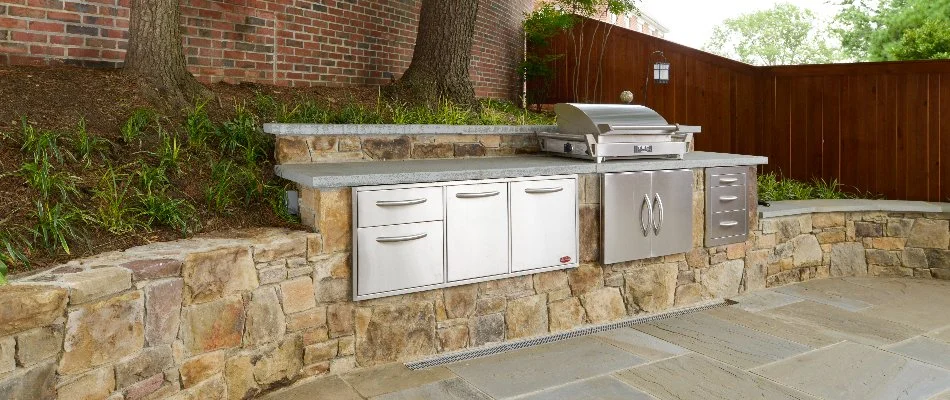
(646, 214)
(410, 238)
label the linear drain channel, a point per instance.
(503, 347)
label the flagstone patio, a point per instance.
(845, 338)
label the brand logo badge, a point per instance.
(643, 149)
(565, 259)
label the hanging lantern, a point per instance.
(661, 72)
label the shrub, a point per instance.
(86, 145)
(115, 209)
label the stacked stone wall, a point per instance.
(319, 149)
(231, 317)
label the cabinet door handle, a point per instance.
(649, 206)
(729, 223)
(657, 225)
(396, 203)
(393, 239)
(728, 180)
(728, 198)
(477, 195)
(543, 190)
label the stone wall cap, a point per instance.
(370, 173)
(393, 129)
(798, 207)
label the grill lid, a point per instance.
(610, 119)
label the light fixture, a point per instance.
(661, 73)
(661, 70)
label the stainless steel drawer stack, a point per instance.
(727, 214)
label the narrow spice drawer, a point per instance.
(399, 206)
(727, 198)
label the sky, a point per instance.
(691, 22)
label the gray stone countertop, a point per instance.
(797, 207)
(350, 174)
(392, 129)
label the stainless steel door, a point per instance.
(398, 257)
(476, 230)
(672, 212)
(543, 223)
(627, 207)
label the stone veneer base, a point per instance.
(233, 316)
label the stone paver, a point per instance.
(924, 349)
(393, 377)
(600, 388)
(694, 376)
(854, 326)
(763, 300)
(822, 297)
(789, 330)
(331, 387)
(854, 371)
(640, 344)
(452, 389)
(843, 338)
(724, 341)
(535, 368)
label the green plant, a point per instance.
(198, 126)
(13, 250)
(151, 177)
(353, 113)
(40, 175)
(276, 196)
(115, 210)
(169, 151)
(828, 189)
(219, 195)
(137, 123)
(773, 187)
(449, 113)
(86, 145)
(241, 137)
(160, 209)
(42, 144)
(56, 225)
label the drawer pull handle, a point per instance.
(729, 223)
(393, 239)
(477, 195)
(543, 190)
(396, 203)
(728, 198)
(728, 180)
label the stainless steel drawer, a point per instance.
(726, 176)
(727, 225)
(727, 198)
(399, 257)
(399, 206)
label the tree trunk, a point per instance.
(441, 57)
(155, 55)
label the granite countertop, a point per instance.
(797, 207)
(350, 174)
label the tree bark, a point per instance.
(155, 55)
(440, 60)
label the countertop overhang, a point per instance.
(351, 174)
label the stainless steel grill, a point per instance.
(614, 131)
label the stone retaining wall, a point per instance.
(320, 148)
(235, 315)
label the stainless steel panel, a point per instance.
(626, 216)
(726, 198)
(399, 206)
(726, 176)
(476, 230)
(398, 257)
(646, 149)
(672, 212)
(543, 223)
(727, 225)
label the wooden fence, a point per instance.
(882, 128)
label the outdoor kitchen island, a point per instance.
(474, 273)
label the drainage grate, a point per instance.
(503, 347)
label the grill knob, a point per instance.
(568, 147)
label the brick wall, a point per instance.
(283, 42)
